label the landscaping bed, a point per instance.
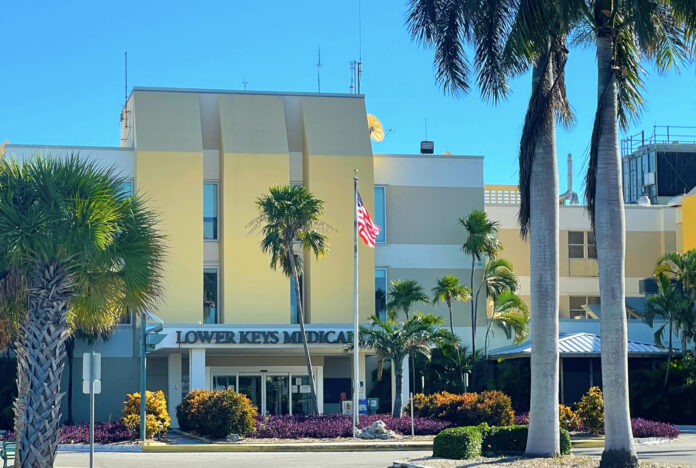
(104, 433)
(575, 461)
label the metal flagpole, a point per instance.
(356, 372)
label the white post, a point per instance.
(406, 387)
(197, 369)
(91, 407)
(356, 370)
(413, 430)
(173, 385)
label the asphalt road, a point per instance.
(678, 453)
(238, 459)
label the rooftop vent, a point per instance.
(427, 147)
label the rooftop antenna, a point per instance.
(352, 76)
(245, 83)
(358, 65)
(126, 80)
(318, 70)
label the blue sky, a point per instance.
(62, 79)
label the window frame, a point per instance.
(386, 288)
(216, 183)
(575, 244)
(383, 229)
(217, 293)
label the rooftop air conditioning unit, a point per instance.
(649, 178)
(427, 147)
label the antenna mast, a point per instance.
(359, 65)
(318, 70)
(245, 83)
(125, 92)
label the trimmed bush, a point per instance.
(458, 443)
(330, 426)
(569, 420)
(513, 440)
(157, 418)
(644, 428)
(216, 413)
(591, 410)
(469, 409)
(188, 412)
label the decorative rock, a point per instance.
(233, 438)
(376, 430)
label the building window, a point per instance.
(581, 244)
(381, 212)
(210, 295)
(577, 307)
(294, 313)
(381, 293)
(127, 188)
(210, 211)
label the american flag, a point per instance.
(366, 228)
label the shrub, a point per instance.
(458, 443)
(216, 413)
(188, 412)
(104, 433)
(330, 426)
(469, 409)
(591, 410)
(227, 412)
(521, 419)
(569, 420)
(644, 428)
(156, 416)
(513, 440)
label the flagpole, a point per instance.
(356, 370)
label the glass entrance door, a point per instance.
(250, 385)
(277, 394)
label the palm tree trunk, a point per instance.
(70, 351)
(485, 343)
(669, 352)
(399, 377)
(473, 321)
(41, 358)
(456, 347)
(300, 312)
(619, 450)
(543, 439)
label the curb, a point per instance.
(222, 447)
(100, 448)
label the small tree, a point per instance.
(480, 242)
(395, 340)
(449, 290)
(290, 214)
(403, 295)
(511, 315)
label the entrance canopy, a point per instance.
(581, 345)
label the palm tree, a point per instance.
(670, 305)
(67, 232)
(395, 341)
(623, 33)
(497, 277)
(290, 214)
(448, 290)
(403, 295)
(480, 242)
(507, 38)
(511, 315)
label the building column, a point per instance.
(319, 377)
(196, 369)
(173, 385)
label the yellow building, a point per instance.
(202, 158)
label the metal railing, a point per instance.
(661, 134)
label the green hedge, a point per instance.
(459, 442)
(472, 441)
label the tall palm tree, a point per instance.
(403, 295)
(497, 277)
(67, 232)
(393, 340)
(449, 290)
(480, 242)
(623, 33)
(508, 37)
(671, 305)
(290, 214)
(511, 315)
